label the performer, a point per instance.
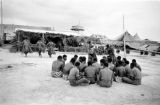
(91, 54)
(51, 46)
(26, 47)
(41, 47)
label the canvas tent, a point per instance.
(136, 37)
(129, 39)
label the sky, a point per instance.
(103, 17)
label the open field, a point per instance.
(27, 81)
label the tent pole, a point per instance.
(2, 31)
(124, 42)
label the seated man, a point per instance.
(135, 77)
(127, 69)
(57, 67)
(120, 70)
(76, 57)
(110, 64)
(74, 77)
(64, 59)
(82, 66)
(136, 64)
(96, 64)
(68, 67)
(90, 73)
(105, 75)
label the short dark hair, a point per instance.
(89, 63)
(73, 60)
(105, 64)
(124, 59)
(75, 56)
(132, 65)
(59, 57)
(103, 61)
(95, 59)
(109, 60)
(80, 59)
(133, 61)
(120, 63)
(119, 57)
(127, 62)
(64, 56)
(77, 64)
(83, 58)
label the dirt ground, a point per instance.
(27, 81)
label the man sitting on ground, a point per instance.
(120, 70)
(90, 73)
(57, 67)
(82, 66)
(68, 67)
(110, 64)
(135, 77)
(64, 59)
(127, 68)
(105, 75)
(74, 77)
(76, 57)
(136, 64)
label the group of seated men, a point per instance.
(103, 73)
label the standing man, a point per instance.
(26, 46)
(51, 46)
(41, 47)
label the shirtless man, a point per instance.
(90, 73)
(136, 64)
(74, 77)
(135, 76)
(105, 75)
(68, 67)
(57, 67)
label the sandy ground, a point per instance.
(27, 81)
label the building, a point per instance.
(9, 29)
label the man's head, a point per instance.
(132, 65)
(133, 61)
(64, 57)
(94, 60)
(89, 63)
(73, 60)
(127, 62)
(77, 64)
(109, 60)
(105, 64)
(102, 61)
(80, 59)
(119, 58)
(76, 56)
(120, 63)
(84, 59)
(59, 57)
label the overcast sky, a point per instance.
(97, 16)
